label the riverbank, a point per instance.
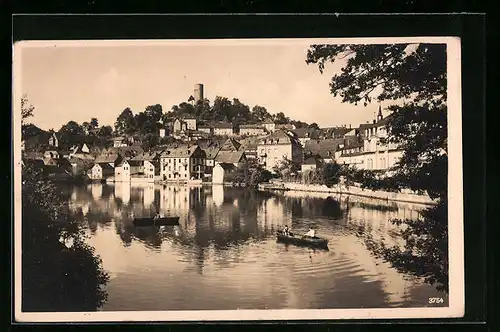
(403, 196)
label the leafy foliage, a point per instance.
(251, 174)
(331, 174)
(417, 75)
(287, 168)
(229, 110)
(26, 109)
(125, 123)
(60, 271)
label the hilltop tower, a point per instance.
(198, 92)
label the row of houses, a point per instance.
(188, 127)
(366, 147)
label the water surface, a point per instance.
(224, 254)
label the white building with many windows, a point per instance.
(182, 163)
(278, 146)
(374, 152)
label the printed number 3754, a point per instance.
(435, 300)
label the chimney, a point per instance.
(349, 126)
(374, 121)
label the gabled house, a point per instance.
(152, 170)
(235, 158)
(122, 171)
(101, 171)
(81, 149)
(230, 145)
(210, 155)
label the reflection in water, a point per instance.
(223, 255)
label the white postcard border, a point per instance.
(455, 193)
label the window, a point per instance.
(169, 176)
(185, 167)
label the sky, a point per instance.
(81, 81)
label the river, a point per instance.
(224, 254)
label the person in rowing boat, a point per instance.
(286, 231)
(157, 216)
(311, 233)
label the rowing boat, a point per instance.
(167, 221)
(304, 241)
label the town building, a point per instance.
(184, 162)
(108, 157)
(336, 132)
(210, 153)
(179, 126)
(269, 125)
(310, 164)
(235, 158)
(221, 171)
(323, 148)
(122, 171)
(101, 171)
(249, 146)
(53, 140)
(152, 170)
(223, 129)
(191, 123)
(252, 130)
(183, 124)
(305, 134)
(206, 129)
(119, 141)
(375, 152)
(276, 147)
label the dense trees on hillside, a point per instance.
(417, 74)
(225, 109)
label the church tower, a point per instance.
(379, 116)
